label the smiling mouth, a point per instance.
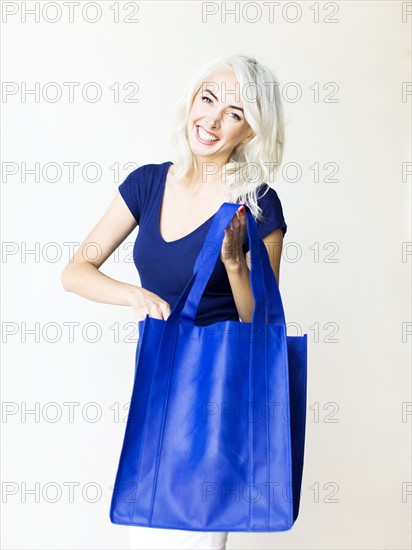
(204, 136)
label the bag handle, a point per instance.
(208, 257)
(263, 282)
(272, 294)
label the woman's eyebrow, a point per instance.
(230, 106)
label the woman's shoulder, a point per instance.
(147, 178)
(266, 192)
(140, 186)
(149, 169)
(271, 209)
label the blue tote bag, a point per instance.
(215, 434)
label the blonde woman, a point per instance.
(228, 137)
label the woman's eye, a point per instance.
(210, 101)
(236, 115)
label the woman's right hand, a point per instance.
(145, 302)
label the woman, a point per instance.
(228, 137)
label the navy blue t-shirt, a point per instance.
(166, 267)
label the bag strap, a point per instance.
(263, 281)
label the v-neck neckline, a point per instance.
(159, 210)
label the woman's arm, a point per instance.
(239, 275)
(82, 276)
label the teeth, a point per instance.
(204, 135)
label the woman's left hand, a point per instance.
(231, 252)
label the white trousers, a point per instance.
(145, 538)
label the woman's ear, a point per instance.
(249, 137)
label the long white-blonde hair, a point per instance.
(252, 163)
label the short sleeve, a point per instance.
(272, 213)
(132, 193)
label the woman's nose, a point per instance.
(212, 122)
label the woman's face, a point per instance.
(216, 123)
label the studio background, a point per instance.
(345, 270)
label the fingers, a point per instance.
(234, 237)
(156, 310)
(149, 303)
(239, 224)
(165, 310)
(238, 216)
(159, 310)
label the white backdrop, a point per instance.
(68, 363)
